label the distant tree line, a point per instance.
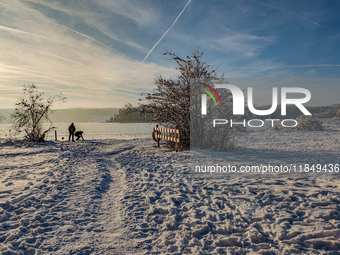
(70, 115)
(293, 112)
(117, 115)
(129, 114)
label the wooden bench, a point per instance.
(169, 134)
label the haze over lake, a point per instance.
(95, 130)
(92, 130)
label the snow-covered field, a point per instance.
(129, 197)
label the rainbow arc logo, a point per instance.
(209, 93)
(204, 97)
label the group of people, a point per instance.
(73, 133)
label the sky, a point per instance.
(104, 53)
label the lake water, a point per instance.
(94, 130)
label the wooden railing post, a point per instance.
(176, 139)
(157, 132)
(176, 145)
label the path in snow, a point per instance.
(62, 198)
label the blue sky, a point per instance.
(92, 50)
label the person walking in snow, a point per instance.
(71, 130)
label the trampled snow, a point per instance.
(129, 197)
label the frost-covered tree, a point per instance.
(31, 111)
(170, 102)
(308, 123)
(337, 115)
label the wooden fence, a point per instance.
(170, 134)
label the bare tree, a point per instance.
(31, 111)
(170, 102)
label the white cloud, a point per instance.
(86, 13)
(141, 12)
(59, 60)
(246, 45)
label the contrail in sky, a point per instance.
(89, 37)
(160, 39)
(316, 65)
(13, 30)
(67, 28)
(283, 10)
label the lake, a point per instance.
(92, 130)
(95, 130)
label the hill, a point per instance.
(72, 115)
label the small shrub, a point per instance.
(277, 127)
(308, 123)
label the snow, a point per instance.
(129, 197)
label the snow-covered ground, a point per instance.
(129, 197)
